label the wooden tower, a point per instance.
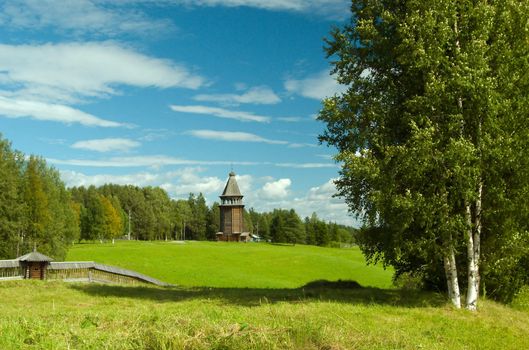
(231, 213)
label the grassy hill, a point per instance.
(218, 264)
(208, 312)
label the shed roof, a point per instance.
(35, 256)
(231, 189)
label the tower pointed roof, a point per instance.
(231, 189)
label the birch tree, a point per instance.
(431, 132)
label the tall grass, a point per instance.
(55, 315)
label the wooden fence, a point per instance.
(83, 271)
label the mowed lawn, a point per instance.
(235, 265)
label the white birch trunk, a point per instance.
(473, 252)
(451, 278)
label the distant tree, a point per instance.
(310, 229)
(254, 217)
(248, 222)
(294, 229)
(213, 221)
(92, 217)
(112, 219)
(322, 233)
(263, 227)
(198, 219)
(277, 227)
(12, 229)
(160, 203)
(182, 215)
(37, 207)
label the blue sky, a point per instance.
(175, 93)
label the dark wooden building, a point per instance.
(35, 265)
(232, 213)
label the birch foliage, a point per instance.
(431, 135)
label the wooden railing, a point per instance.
(11, 273)
(82, 271)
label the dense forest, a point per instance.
(148, 213)
(36, 209)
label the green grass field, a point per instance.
(218, 264)
(238, 311)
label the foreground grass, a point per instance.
(218, 264)
(56, 315)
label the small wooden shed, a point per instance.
(35, 265)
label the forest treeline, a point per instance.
(37, 210)
(148, 213)
(35, 207)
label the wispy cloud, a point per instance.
(107, 145)
(306, 165)
(234, 136)
(317, 86)
(43, 81)
(302, 145)
(158, 161)
(90, 69)
(221, 113)
(152, 161)
(16, 108)
(78, 17)
(255, 95)
(290, 119)
(336, 9)
(77, 70)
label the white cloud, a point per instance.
(276, 189)
(302, 145)
(78, 17)
(177, 183)
(16, 108)
(232, 136)
(192, 183)
(318, 199)
(158, 161)
(245, 183)
(255, 95)
(290, 119)
(107, 145)
(325, 156)
(150, 135)
(317, 86)
(221, 113)
(321, 200)
(327, 8)
(306, 165)
(154, 161)
(74, 178)
(70, 71)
